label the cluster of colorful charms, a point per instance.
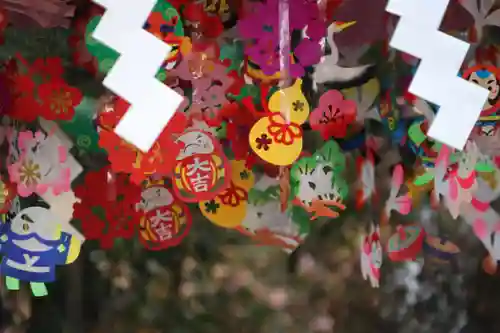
(239, 146)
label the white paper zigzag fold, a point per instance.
(62, 205)
(436, 78)
(133, 75)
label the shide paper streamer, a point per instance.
(441, 58)
(266, 121)
(132, 76)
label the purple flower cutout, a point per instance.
(261, 28)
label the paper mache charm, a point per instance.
(32, 244)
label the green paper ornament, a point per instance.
(81, 128)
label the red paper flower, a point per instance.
(333, 115)
(51, 99)
(121, 155)
(208, 26)
(124, 157)
(107, 207)
(48, 69)
(58, 100)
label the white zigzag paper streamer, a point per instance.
(436, 78)
(62, 205)
(133, 75)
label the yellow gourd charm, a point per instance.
(277, 137)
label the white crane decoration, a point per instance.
(328, 70)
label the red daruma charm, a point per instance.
(166, 220)
(201, 170)
(406, 243)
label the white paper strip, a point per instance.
(62, 205)
(133, 75)
(436, 78)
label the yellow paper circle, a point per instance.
(268, 149)
(224, 215)
(241, 176)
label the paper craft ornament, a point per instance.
(328, 70)
(260, 27)
(488, 77)
(124, 157)
(371, 256)
(364, 96)
(317, 181)
(440, 249)
(483, 14)
(110, 213)
(266, 224)
(455, 183)
(399, 203)
(421, 144)
(32, 244)
(406, 243)
(8, 192)
(277, 137)
(38, 89)
(365, 168)
(166, 220)
(209, 81)
(202, 170)
(164, 22)
(42, 164)
(81, 128)
(229, 208)
(333, 115)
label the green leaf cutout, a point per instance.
(233, 52)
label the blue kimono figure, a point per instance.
(33, 245)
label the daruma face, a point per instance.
(486, 80)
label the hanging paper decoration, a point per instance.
(371, 256)
(317, 181)
(365, 168)
(440, 249)
(125, 157)
(333, 115)
(229, 208)
(455, 183)
(201, 23)
(488, 77)
(7, 194)
(277, 137)
(261, 28)
(109, 213)
(328, 70)
(39, 90)
(42, 164)
(32, 245)
(406, 243)
(202, 170)
(82, 128)
(166, 220)
(483, 14)
(164, 22)
(209, 82)
(266, 224)
(399, 203)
